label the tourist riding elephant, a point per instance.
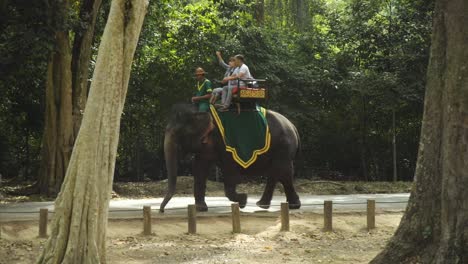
(190, 131)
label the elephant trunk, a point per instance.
(170, 154)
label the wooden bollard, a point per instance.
(284, 216)
(327, 216)
(192, 219)
(236, 227)
(43, 219)
(370, 214)
(146, 220)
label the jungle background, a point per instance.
(339, 69)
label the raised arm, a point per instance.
(221, 61)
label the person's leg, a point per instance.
(224, 95)
(215, 94)
(228, 100)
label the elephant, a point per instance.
(191, 132)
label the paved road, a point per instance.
(217, 205)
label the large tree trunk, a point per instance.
(58, 135)
(81, 55)
(260, 11)
(299, 11)
(434, 228)
(66, 91)
(81, 209)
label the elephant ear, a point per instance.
(201, 123)
(180, 118)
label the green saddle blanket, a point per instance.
(246, 135)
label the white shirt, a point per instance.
(245, 72)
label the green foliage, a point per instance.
(337, 68)
(24, 48)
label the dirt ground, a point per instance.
(260, 240)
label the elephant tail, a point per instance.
(299, 158)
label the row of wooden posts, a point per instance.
(235, 212)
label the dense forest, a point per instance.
(349, 73)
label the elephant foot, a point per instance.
(242, 200)
(263, 205)
(294, 204)
(201, 207)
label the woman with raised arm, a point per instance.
(229, 71)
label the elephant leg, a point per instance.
(200, 172)
(265, 200)
(291, 195)
(232, 195)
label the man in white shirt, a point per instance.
(241, 72)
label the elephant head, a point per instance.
(187, 131)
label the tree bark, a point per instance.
(58, 135)
(260, 11)
(81, 55)
(434, 228)
(81, 209)
(299, 11)
(66, 91)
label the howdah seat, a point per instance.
(246, 97)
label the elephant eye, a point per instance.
(204, 138)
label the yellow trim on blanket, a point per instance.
(235, 156)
